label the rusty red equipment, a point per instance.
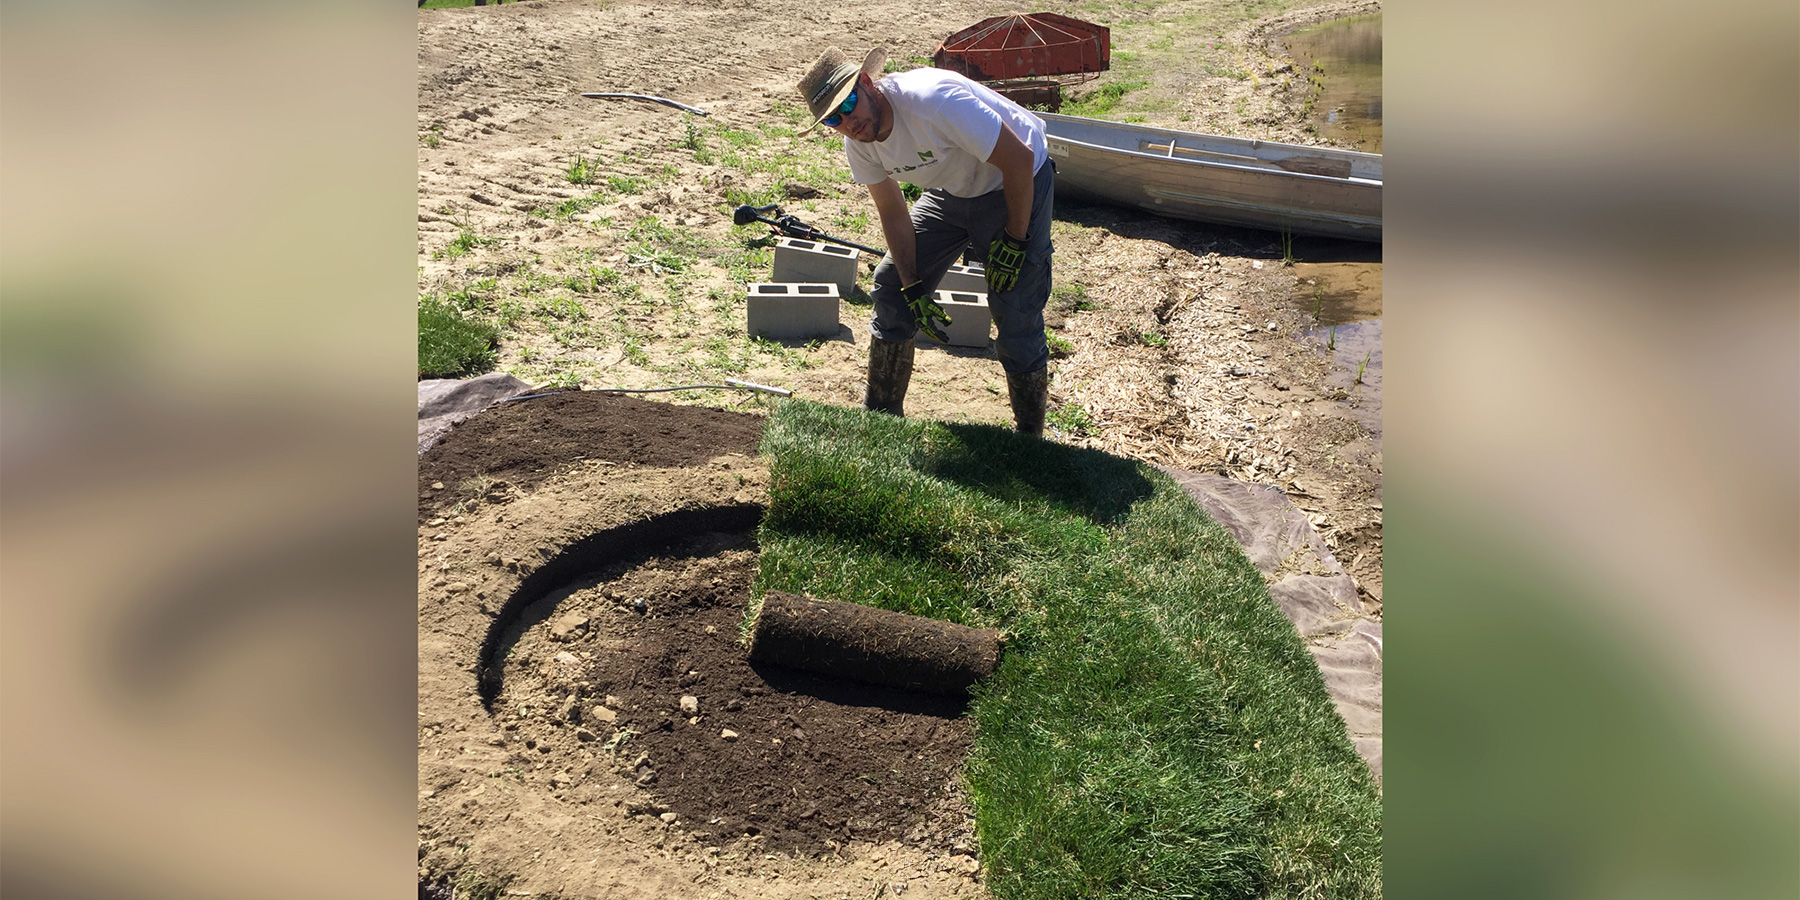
(1042, 46)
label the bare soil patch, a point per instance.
(627, 746)
(645, 657)
(516, 445)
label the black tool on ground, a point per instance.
(792, 227)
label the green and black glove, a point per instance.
(1005, 259)
(926, 311)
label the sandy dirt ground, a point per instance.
(1229, 384)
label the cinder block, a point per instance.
(970, 279)
(791, 311)
(813, 262)
(971, 322)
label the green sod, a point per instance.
(1156, 729)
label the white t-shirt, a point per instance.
(945, 128)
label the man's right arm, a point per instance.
(896, 226)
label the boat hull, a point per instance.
(1222, 180)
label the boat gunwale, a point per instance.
(1252, 144)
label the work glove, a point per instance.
(1006, 257)
(926, 310)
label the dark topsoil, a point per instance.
(522, 442)
(814, 762)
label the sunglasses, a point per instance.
(837, 118)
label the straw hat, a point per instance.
(832, 78)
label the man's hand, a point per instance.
(1005, 259)
(926, 310)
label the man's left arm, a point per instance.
(1006, 254)
(1014, 160)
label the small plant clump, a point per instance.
(1071, 297)
(1101, 101)
(625, 184)
(465, 242)
(452, 345)
(583, 170)
(1070, 419)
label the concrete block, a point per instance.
(969, 279)
(791, 311)
(971, 322)
(815, 262)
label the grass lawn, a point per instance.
(1156, 729)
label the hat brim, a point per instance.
(871, 67)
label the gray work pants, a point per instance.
(944, 226)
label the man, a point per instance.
(985, 167)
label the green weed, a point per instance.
(473, 884)
(583, 170)
(736, 196)
(1070, 297)
(563, 308)
(570, 208)
(475, 297)
(566, 378)
(1070, 419)
(656, 262)
(1059, 348)
(695, 141)
(452, 345)
(853, 218)
(465, 242)
(626, 184)
(1100, 102)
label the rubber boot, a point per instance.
(890, 370)
(1030, 392)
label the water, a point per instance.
(1343, 299)
(1338, 284)
(1348, 51)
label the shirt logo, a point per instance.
(925, 159)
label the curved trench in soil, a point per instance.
(624, 648)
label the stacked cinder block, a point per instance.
(800, 301)
(813, 262)
(971, 322)
(969, 279)
(791, 311)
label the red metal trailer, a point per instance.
(1028, 56)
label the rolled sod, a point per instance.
(874, 645)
